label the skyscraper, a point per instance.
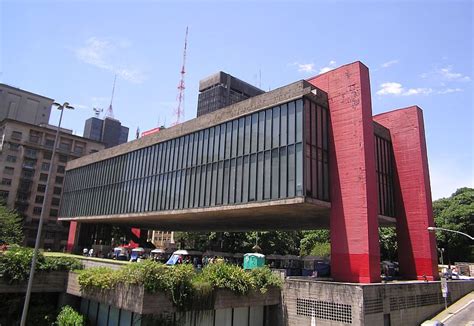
(109, 131)
(220, 90)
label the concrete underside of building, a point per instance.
(288, 214)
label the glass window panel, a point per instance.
(214, 184)
(202, 193)
(238, 180)
(217, 132)
(211, 146)
(103, 314)
(319, 129)
(245, 180)
(283, 125)
(209, 185)
(222, 142)
(240, 143)
(177, 192)
(248, 126)
(225, 192)
(291, 122)
(228, 140)
(325, 123)
(235, 129)
(187, 190)
(220, 176)
(232, 182)
(274, 173)
(268, 129)
(283, 173)
(299, 120)
(205, 147)
(291, 171)
(253, 177)
(267, 175)
(299, 169)
(261, 130)
(260, 176)
(199, 150)
(195, 148)
(197, 187)
(192, 187)
(254, 133)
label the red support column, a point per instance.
(355, 252)
(416, 246)
(72, 237)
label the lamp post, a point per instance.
(61, 108)
(432, 228)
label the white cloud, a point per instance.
(304, 67)
(446, 74)
(104, 54)
(392, 88)
(450, 90)
(389, 63)
(329, 67)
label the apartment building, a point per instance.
(25, 158)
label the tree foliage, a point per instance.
(271, 242)
(456, 213)
(11, 230)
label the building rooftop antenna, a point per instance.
(110, 110)
(179, 112)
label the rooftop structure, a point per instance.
(108, 131)
(25, 106)
(220, 90)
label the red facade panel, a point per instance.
(355, 252)
(72, 236)
(413, 209)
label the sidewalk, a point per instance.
(454, 308)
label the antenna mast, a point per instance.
(179, 112)
(110, 111)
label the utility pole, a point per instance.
(24, 314)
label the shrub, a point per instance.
(103, 278)
(15, 264)
(263, 278)
(69, 317)
(231, 277)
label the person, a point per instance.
(85, 251)
(91, 252)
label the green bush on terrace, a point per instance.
(15, 264)
(181, 283)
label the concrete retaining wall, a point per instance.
(306, 302)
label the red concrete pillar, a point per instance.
(414, 211)
(72, 237)
(355, 252)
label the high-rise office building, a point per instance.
(25, 157)
(220, 90)
(109, 131)
(21, 105)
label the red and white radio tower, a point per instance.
(179, 112)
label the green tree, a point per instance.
(11, 230)
(388, 243)
(456, 213)
(316, 243)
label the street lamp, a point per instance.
(432, 228)
(61, 108)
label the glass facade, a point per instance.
(384, 169)
(251, 158)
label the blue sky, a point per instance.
(417, 52)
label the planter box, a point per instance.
(43, 282)
(134, 298)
